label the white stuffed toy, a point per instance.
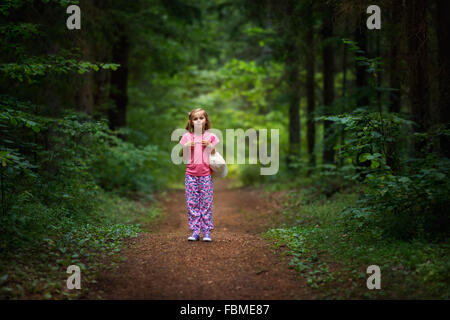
(218, 165)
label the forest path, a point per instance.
(237, 264)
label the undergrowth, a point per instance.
(333, 252)
(35, 267)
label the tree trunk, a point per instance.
(418, 68)
(102, 83)
(119, 83)
(293, 80)
(328, 83)
(292, 69)
(341, 132)
(361, 73)
(395, 15)
(310, 86)
(443, 35)
(84, 96)
(394, 76)
(379, 74)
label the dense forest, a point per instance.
(363, 113)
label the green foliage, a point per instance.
(57, 198)
(123, 167)
(9, 5)
(404, 196)
(333, 253)
(34, 69)
(408, 206)
(408, 203)
(250, 175)
(56, 241)
(85, 153)
(372, 65)
(54, 161)
(367, 137)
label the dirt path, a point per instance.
(238, 264)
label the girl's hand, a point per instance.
(208, 144)
(189, 144)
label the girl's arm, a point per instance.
(185, 149)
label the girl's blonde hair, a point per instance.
(190, 126)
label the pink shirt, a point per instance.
(198, 165)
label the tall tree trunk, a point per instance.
(293, 79)
(394, 80)
(361, 82)
(395, 15)
(84, 95)
(341, 132)
(361, 73)
(102, 83)
(379, 74)
(328, 82)
(344, 67)
(119, 82)
(418, 67)
(310, 85)
(443, 35)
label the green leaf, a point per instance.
(363, 157)
(374, 164)
(404, 180)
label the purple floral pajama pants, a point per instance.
(199, 199)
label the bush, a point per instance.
(407, 207)
(408, 203)
(250, 175)
(125, 168)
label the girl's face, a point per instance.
(198, 120)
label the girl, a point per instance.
(198, 143)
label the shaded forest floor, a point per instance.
(287, 243)
(237, 264)
(269, 245)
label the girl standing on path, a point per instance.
(198, 143)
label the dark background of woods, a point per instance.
(86, 115)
